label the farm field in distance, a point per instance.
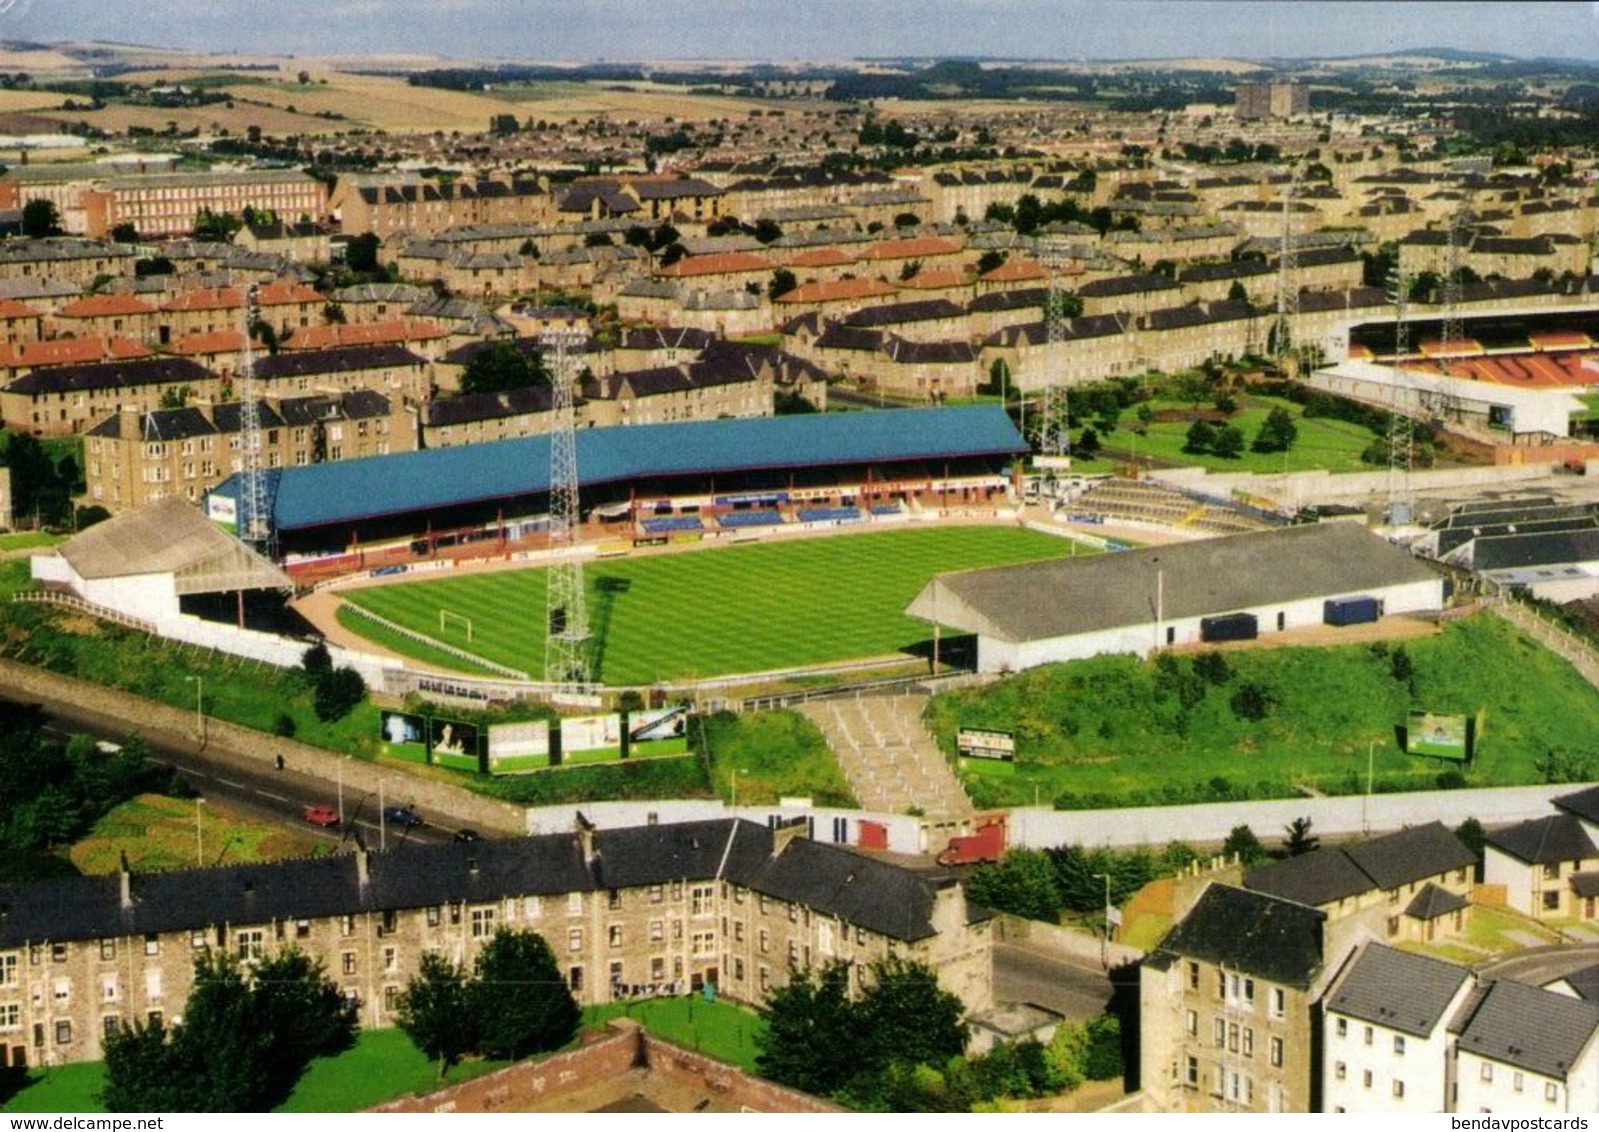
(737, 609)
(1115, 731)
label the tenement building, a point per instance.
(647, 910)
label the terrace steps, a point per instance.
(891, 761)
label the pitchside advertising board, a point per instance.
(515, 748)
(404, 735)
(983, 743)
(455, 744)
(663, 731)
(1441, 736)
(222, 511)
(418, 738)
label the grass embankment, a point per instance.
(1113, 731)
(717, 1029)
(737, 609)
(158, 833)
(772, 755)
(1322, 442)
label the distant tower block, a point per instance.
(566, 649)
(1271, 100)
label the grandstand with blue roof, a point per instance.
(839, 466)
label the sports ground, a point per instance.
(737, 609)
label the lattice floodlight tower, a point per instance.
(1054, 430)
(566, 647)
(255, 521)
(1401, 429)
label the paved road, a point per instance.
(1077, 990)
(1543, 964)
(267, 795)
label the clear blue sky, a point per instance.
(814, 29)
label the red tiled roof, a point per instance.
(823, 257)
(363, 334)
(208, 342)
(724, 263)
(281, 291)
(99, 306)
(836, 290)
(1560, 340)
(910, 249)
(937, 279)
(13, 309)
(1015, 271)
(69, 351)
(205, 299)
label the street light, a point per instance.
(199, 844)
(1104, 940)
(199, 706)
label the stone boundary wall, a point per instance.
(1061, 943)
(624, 1046)
(89, 704)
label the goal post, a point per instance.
(446, 616)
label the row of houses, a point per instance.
(1302, 987)
(631, 912)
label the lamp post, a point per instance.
(199, 843)
(199, 706)
(1365, 800)
(1104, 940)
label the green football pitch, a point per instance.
(728, 610)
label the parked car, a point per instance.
(322, 815)
(402, 815)
(467, 835)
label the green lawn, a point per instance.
(734, 609)
(774, 754)
(67, 1088)
(718, 1029)
(382, 1065)
(158, 833)
(1322, 442)
(29, 540)
(1113, 731)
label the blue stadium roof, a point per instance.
(349, 491)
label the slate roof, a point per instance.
(1252, 932)
(1432, 902)
(1528, 1027)
(1065, 596)
(385, 485)
(1543, 841)
(1397, 989)
(1583, 803)
(829, 879)
(343, 360)
(1322, 877)
(1410, 854)
(111, 375)
(894, 314)
(1586, 983)
(469, 407)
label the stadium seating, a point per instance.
(672, 524)
(830, 514)
(883, 510)
(735, 520)
(885, 751)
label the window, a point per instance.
(1249, 1042)
(1220, 1033)
(302, 929)
(616, 935)
(250, 944)
(1277, 1052)
(657, 931)
(63, 1032)
(1399, 1089)
(1278, 1002)
(702, 900)
(1340, 1070)
(1365, 1078)
(574, 939)
(1518, 1082)
(8, 970)
(1551, 900)
(657, 894)
(574, 978)
(1550, 1092)
(108, 949)
(433, 916)
(574, 904)
(482, 922)
(62, 991)
(109, 991)
(1191, 1072)
(1399, 1045)
(387, 921)
(152, 984)
(531, 908)
(1193, 1024)
(1343, 1027)
(738, 931)
(765, 941)
(613, 900)
(10, 1017)
(346, 925)
(391, 959)
(704, 945)
(391, 999)
(58, 953)
(349, 962)
(1552, 872)
(738, 969)
(1487, 1071)
(1370, 1035)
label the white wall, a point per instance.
(1516, 876)
(1423, 1067)
(150, 596)
(1501, 1094)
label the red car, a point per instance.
(322, 815)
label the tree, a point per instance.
(500, 366)
(434, 1012)
(990, 260)
(216, 227)
(908, 1017)
(1242, 843)
(1472, 836)
(518, 998)
(40, 218)
(1229, 442)
(317, 661)
(1088, 444)
(1238, 293)
(1023, 883)
(302, 1014)
(504, 125)
(361, 253)
(143, 1072)
(1277, 432)
(783, 281)
(803, 1044)
(1299, 839)
(1201, 438)
(767, 231)
(125, 233)
(337, 693)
